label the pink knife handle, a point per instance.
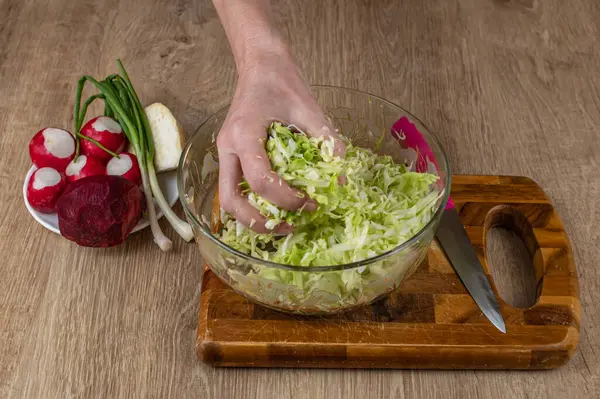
(409, 137)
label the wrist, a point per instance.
(264, 53)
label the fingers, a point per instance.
(234, 203)
(318, 126)
(267, 184)
(339, 148)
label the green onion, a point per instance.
(182, 228)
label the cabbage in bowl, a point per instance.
(381, 205)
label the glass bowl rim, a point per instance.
(306, 269)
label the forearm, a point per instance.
(251, 32)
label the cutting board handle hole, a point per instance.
(510, 246)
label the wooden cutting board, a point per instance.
(431, 321)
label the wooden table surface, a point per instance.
(510, 87)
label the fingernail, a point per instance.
(310, 206)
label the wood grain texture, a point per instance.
(510, 87)
(430, 322)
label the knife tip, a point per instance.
(499, 324)
(502, 328)
(495, 317)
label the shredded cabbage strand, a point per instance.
(381, 205)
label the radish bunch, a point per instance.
(53, 151)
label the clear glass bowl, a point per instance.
(363, 118)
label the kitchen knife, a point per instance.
(451, 234)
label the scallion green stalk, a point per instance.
(182, 228)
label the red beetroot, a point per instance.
(44, 189)
(99, 211)
(84, 166)
(107, 132)
(51, 147)
(127, 166)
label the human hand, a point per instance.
(272, 90)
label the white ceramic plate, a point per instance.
(166, 180)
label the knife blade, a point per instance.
(451, 234)
(457, 246)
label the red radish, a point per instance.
(44, 189)
(53, 148)
(105, 131)
(126, 165)
(84, 166)
(99, 211)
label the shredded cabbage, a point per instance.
(381, 205)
